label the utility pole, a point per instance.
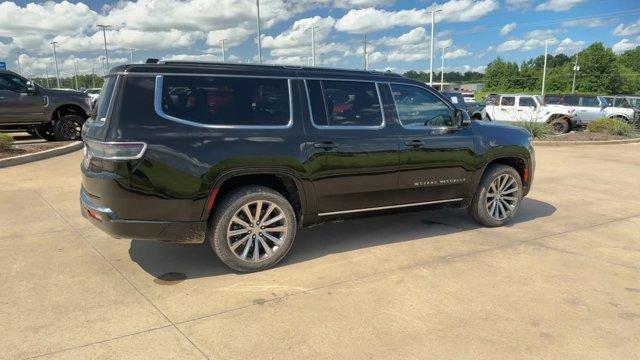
(442, 69)
(576, 68)
(18, 62)
(104, 36)
(366, 58)
(131, 55)
(75, 68)
(259, 33)
(224, 55)
(55, 59)
(544, 69)
(313, 45)
(46, 71)
(433, 32)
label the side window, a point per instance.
(346, 103)
(571, 100)
(526, 101)
(507, 101)
(590, 101)
(102, 105)
(12, 83)
(219, 100)
(552, 99)
(418, 107)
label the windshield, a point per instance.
(102, 106)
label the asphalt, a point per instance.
(561, 282)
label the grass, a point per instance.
(613, 127)
(539, 130)
(5, 141)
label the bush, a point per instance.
(539, 130)
(612, 127)
(5, 141)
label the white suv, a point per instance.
(522, 108)
(591, 107)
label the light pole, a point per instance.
(104, 36)
(46, 71)
(18, 62)
(442, 69)
(433, 31)
(104, 71)
(224, 55)
(131, 55)
(544, 69)
(259, 33)
(576, 68)
(75, 68)
(366, 59)
(321, 59)
(93, 79)
(313, 45)
(55, 59)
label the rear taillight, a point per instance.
(114, 150)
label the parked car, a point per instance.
(592, 107)
(625, 101)
(50, 114)
(93, 93)
(521, 108)
(287, 148)
(459, 101)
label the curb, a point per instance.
(46, 154)
(585, 142)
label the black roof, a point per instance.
(192, 67)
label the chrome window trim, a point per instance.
(389, 207)
(346, 127)
(157, 103)
(395, 105)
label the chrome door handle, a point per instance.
(414, 143)
(325, 145)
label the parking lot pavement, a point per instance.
(563, 281)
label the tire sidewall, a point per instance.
(480, 200)
(57, 129)
(565, 126)
(229, 206)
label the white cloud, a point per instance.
(300, 33)
(558, 5)
(508, 28)
(414, 36)
(349, 4)
(518, 4)
(45, 18)
(370, 19)
(569, 47)
(624, 45)
(626, 30)
(468, 68)
(457, 53)
(591, 22)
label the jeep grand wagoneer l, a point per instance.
(241, 156)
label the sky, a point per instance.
(473, 32)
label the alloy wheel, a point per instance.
(257, 231)
(502, 197)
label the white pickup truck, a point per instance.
(591, 107)
(523, 108)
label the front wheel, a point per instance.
(252, 228)
(559, 126)
(498, 197)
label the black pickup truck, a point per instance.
(50, 114)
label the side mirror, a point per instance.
(461, 118)
(31, 88)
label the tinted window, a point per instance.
(316, 99)
(12, 83)
(418, 107)
(590, 101)
(102, 105)
(350, 103)
(527, 101)
(571, 100)
(507, 101)
(214, 100)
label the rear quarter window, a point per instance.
(104, 99)
(225, 101)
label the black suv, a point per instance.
(50, 114)
(242, 156)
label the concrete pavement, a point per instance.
(562, 282)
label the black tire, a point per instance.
(45, 132)
(560, 126)
(230, 206)
(68, 128)
(478, 208)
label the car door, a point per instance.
(525, 108)
(505, 111)
(437, 156)
(16, 105)
(352, 152)
(591, 108)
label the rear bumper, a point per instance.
(108, 221)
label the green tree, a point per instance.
(598, 70)
(502, 75)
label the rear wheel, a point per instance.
(68, 128)
(498, 197)
(45, 132)
(560, 126)
(253, 228)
